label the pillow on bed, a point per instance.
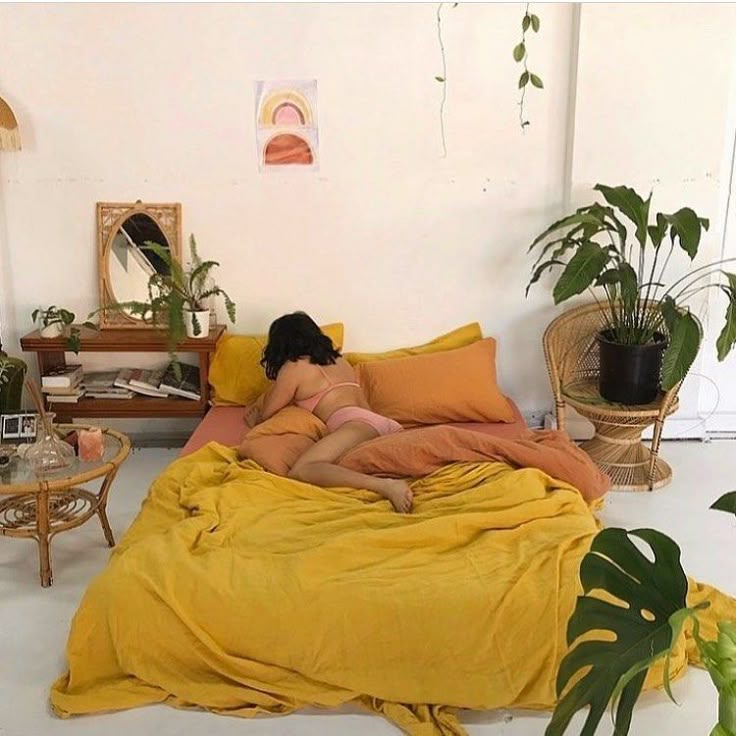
(451, 386)
(277, 443)
(236, 374)
(456, 339)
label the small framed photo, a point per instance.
(18, 427)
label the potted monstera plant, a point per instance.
(629, 616)
(650, 338)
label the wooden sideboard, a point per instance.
(51, 353)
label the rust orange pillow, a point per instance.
(277, 443)
(451, 386)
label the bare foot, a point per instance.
(400, 495)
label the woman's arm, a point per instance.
(278, 396)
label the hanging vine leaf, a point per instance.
(536, 81)
(526, 22)
(650, 609)
(519, 51)
(535, 23)
(440, 79)
(523, 79)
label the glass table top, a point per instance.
(18, 471)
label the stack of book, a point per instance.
(180, 381)
(63, 385)
(101, 385)
(67, 385)
(141, 381)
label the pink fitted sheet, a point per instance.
(226, 425)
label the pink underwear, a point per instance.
(382, 425)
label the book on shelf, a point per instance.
(69, 398)
(186, 384)
(63, 377)
(149, 380)
(65, 391)
(101, 385)
(135, 379)
(100, 379)
(109, 393)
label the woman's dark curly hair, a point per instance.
(295, 336)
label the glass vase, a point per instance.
(49, 453)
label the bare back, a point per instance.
(313, 379)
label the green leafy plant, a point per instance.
(178, 291)
(521, 56)
(640, 604)
(54, 315)
(595, 250)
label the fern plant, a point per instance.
(180, 290)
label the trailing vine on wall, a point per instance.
(521, 55)
(442, 78)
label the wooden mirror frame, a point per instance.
(110, 216)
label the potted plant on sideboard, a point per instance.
(596, 251)
(178, 300)
(56, 322)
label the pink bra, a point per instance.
(311, 402)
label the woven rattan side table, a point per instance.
(40, 507)
(616, 447)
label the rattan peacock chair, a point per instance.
(571, 353)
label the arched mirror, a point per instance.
(125, 262)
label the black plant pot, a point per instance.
(629, 374)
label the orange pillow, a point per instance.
(277, 443)
(452, 386)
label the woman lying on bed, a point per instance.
(307, 371)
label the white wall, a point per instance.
(120, 102)
(652, 111)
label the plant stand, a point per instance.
(617, 448)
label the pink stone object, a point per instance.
(91, 445)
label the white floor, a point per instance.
(34, 622)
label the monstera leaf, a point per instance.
(640, 619)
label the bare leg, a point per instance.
(317, 466)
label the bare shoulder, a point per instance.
(344, 366)
(292, 369)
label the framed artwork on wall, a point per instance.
(286, 125)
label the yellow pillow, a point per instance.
(456, 339)
(236, 374)
(452, 386)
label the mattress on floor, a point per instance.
(226, 425)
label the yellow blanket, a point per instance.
(247, 593)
